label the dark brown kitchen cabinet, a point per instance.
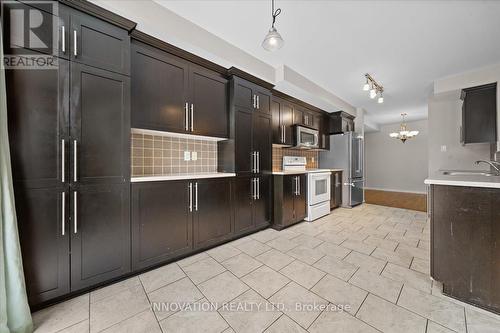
(479, 114)
(242, 203)
(290, 200)
(305, 117)
(38, 125)
(249, 148)
(336, 189)
(173, 95)
(464, 237)
(99, 44)
(211, 211)
(252, 200)
(100, 233)
(341, 122)
(324, 127)
(262, 142)
(52, 32)
(44, 235)
(100, 126)
(251, 96)
(161, 227)
(282, 121)
(208, 97)
(159, 88)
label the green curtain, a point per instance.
(15, 314)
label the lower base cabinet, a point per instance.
(174, 218)
(336, 190)
(72, 238)
(290, 200)
(252, 203)
(161, 222)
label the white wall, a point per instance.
(445, 118)
(396, 166)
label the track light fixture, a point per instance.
(374, 88)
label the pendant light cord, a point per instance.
(274, 13)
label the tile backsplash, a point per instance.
(278, 153)
(154, 155)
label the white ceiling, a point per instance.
(405, 45)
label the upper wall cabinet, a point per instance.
(70, 34)
(479, 114)
(173, 95)
(252, 96)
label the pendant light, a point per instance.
(273, 40)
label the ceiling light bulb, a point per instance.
(380, 99)
(366, 87)
(273, 40)
(373, 93)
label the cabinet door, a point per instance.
(479, 116)
(100, 234)
(37, 106)
(286, 119)
(100, 126)
(44, 245)
(161, 222)
(209, 103)
(50, 36)
(243, 94)
(300, 200)
(242, 203)
(262, 141)
(289, 193)
(262, 204)
(212, 211)
(99, 44)
(276, 123)
(263, 102)
(298, 116)
(243, 141)
(159, 85)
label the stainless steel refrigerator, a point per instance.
(347, 153)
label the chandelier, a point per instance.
(403, 134)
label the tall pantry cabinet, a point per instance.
(69, 145)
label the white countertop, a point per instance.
(298, 172)
(181, 177)
(463, 180)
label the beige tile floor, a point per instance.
(359, 270)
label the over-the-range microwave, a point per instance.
(305, 137)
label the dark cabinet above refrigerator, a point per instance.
(341, 122)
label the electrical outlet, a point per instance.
(312, 159)
(187, 156)
(443, 148)
(194, 156)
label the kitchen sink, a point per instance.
(468, 173)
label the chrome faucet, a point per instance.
(493, 164)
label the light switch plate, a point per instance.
(194, 156)
(187, 156)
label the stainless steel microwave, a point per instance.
(306, 137)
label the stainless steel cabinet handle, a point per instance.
(298, 185)
(75, 212)
(196, 196)
(63, 161)
(190, 197)
(75, 160)
(258, 162)
(192, 116)
(186, 116)
(254, 165)
(258, 102)
(254, 102)
(258, 188)
(63, 214)
(63, 41)
(75, 47)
